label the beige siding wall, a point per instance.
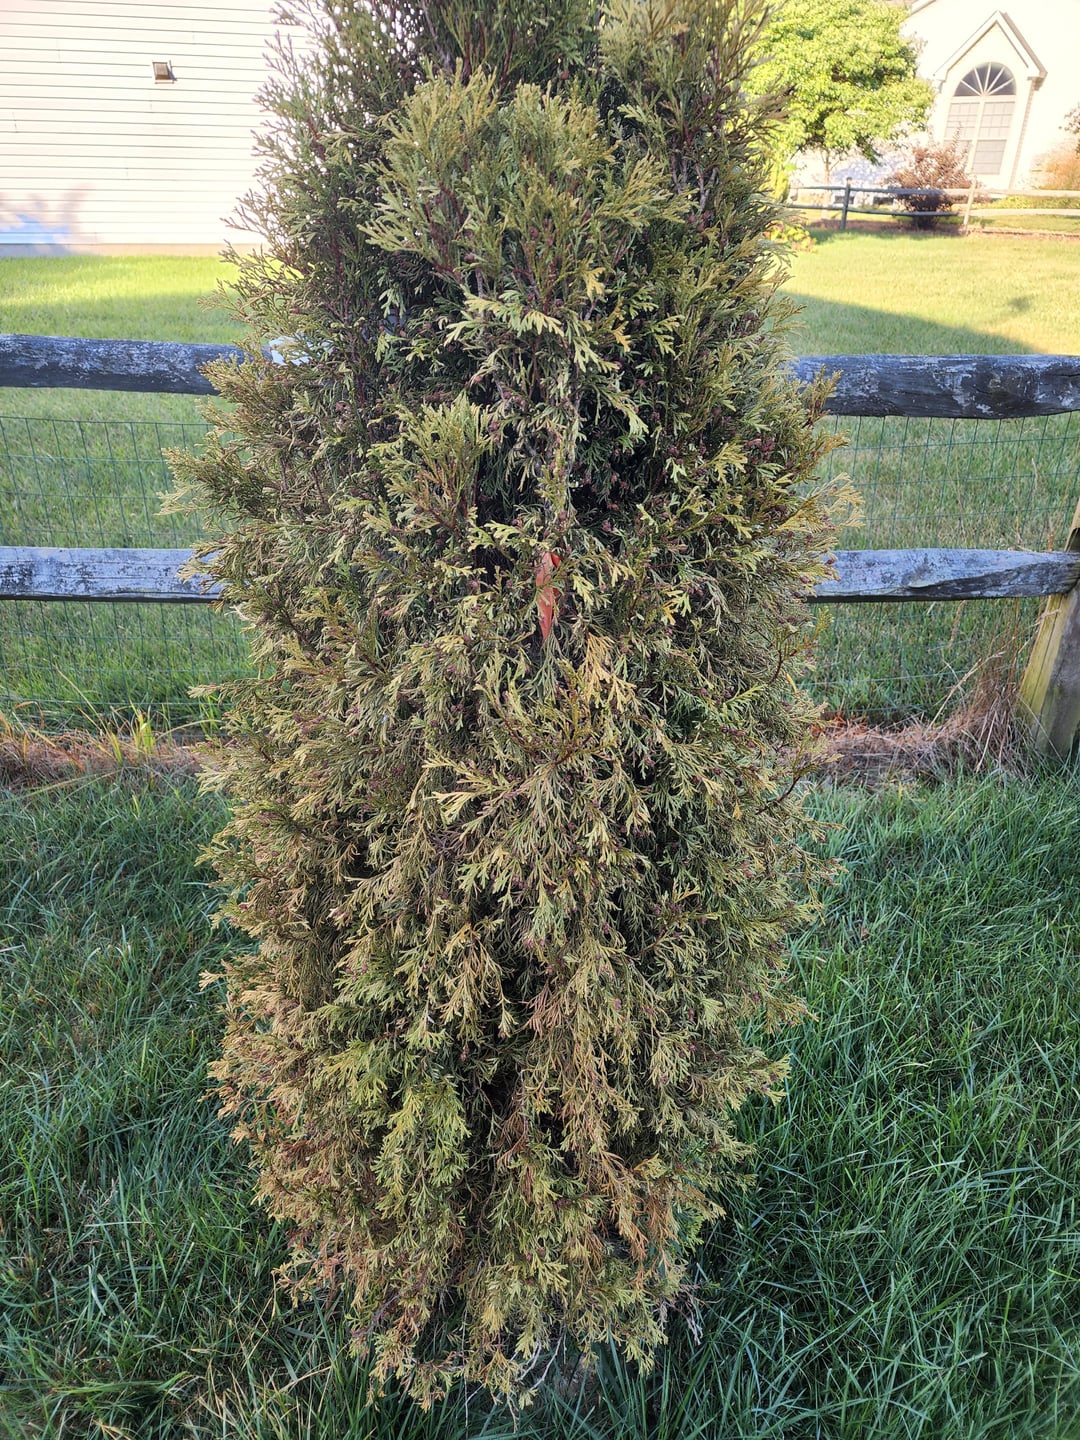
(1050, 29)
(94, 153)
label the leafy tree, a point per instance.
(522, 535)
(848, 75)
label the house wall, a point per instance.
(1051, 30)
(95, 154)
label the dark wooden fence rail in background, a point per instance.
(959, 387)
(974, 198)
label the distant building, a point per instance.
(127, 124)
(1005, 80)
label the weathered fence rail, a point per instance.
(29, 572)
(151, 367)
(949, 387)
(36, 572)
(961, 387)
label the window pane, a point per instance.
(988, 158)
(983, 126)
(989, 79)
(963, 119)
(997, 118)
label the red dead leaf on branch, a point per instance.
(547, 593)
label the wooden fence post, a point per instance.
(970, 201)
(1050, 685)
(847, 203)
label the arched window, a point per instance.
(981, 114)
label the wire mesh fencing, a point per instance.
(979, 484)
(986, 484)
(96, 483)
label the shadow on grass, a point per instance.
(827, 327)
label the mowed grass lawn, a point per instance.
(904, 294)
(907, 1266)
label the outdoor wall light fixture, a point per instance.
(163, 70)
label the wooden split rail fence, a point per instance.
(966, 387)
(925, 201)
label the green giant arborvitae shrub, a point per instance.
(522, 531)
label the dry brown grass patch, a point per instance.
(31, 759)
(982, 734)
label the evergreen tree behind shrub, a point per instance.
(522, 533)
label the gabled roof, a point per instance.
(1034, 68)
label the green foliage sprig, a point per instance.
(523, 545)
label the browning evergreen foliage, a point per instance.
(522, 534)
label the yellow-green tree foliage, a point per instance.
(522, 532)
